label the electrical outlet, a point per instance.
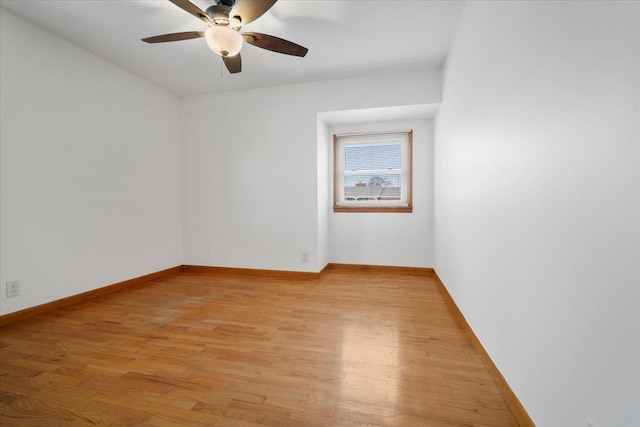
(13, 288)
(305, 257)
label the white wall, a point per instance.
(323, 183)
(90, 170)
(537, 226)
(398, 239)
(250, 167)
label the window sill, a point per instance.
(374, 209)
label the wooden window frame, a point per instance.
(337, 181)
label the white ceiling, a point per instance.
(345, 38)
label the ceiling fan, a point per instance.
(225, 18)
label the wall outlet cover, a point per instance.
(13, 288)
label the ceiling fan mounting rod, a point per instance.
(229, 3)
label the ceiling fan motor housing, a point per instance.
(219, 13)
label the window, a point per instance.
(372, 172)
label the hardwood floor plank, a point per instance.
(352, 347)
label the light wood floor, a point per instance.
(352, 348)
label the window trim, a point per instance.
(369, 208)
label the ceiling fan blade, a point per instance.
(275, 44)
(250, 10)
(174, 37)
(187, 6)
(233, 63)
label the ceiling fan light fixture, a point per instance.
(235, 22)
(223, 41)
